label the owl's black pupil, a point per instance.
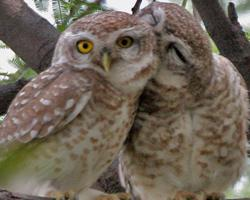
(124, 42)
(85, 45)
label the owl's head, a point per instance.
(115, 44)
(183, 46)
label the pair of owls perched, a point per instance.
(188, 138)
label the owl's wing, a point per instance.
(47, 103)
(222, 61)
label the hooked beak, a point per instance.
(106, 61)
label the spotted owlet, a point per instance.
(65, 127)
(189, 137)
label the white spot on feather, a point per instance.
(45, 102)
(37, 93)
(24, 101)
(48, 77)
(50, 128)
(55, 94)
(10, 137)
(2, 141)
(21, 94)
(63, 86)
(34, 85)
(33, 133)
(16, 135)
(15, 120)
(47, 118)
(23, 132)
(69, 104)
(58, 112)
(34, 121)
(79, 106)
(35, 108)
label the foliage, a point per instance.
(42, 5)
(3, 46)
(248, 35)
(242, 188)
(22, 71)
(67, 11)
(243, 6)
(1, 118)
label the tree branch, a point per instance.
(31, 37)
(227, 34)
(136, 7)
(5, 195)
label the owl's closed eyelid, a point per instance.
(174, 46)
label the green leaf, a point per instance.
(67, 11)
(3, 45)
(247, 35)
(42, 5)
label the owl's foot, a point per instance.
(117, 196)
(70, 195)
(215, 196)
(184, 195)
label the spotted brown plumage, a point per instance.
(65, 127)
(188, 140)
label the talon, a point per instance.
(70, 195)
(117, 196)
(215, 196)
(183, 195)
(123, 196)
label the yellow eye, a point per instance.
(84, 46)
(125, 42)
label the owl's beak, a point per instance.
(106, 61)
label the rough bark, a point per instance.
(227, 34)
(31, 37)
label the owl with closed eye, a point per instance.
(65, 127)
(188, 140)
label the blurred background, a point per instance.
(61, 13)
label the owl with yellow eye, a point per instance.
(65, 127)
